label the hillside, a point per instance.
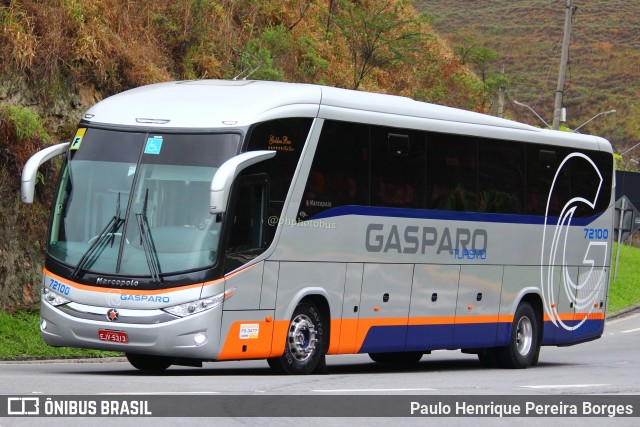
(604, 57)
(58, 58)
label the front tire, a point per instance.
(304, 351)
(523, 345)
(149, 363)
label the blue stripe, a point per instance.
(447, 215)
(556, 335)
(382, 339)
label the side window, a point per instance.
(542, 164)
(501, 176)
(397, 168)
(452, 172)
(339, 174)
(584, 183)
(604, 163)
(576, 179)
(247, 224)
(287, 137)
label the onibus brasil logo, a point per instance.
(555, 274)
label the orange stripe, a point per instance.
(348, 336)
(576, 316)
(592, 316)
(129, 291)
(140, 292)
(334, 338)
(452, 320)
(459, 320)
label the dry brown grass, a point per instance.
(113, 45)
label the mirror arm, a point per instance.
(30, 170)
(227, 173)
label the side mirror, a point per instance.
(30, 170)
(227, 173)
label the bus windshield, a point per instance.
(138, 203)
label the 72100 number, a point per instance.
(596, 233)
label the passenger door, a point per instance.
(246, 238)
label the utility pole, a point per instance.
(557, 110)
(501, 95)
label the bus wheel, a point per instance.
(523, 344)
(149, 363)
(397, 358)
(306, 343)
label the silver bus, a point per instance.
(222, 220)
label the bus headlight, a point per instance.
(194, 307)
(53, 298)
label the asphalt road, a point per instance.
(608, 366)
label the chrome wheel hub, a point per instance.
(302, 337)
(524, 336)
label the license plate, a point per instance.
(113, 336)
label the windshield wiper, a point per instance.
(147, 242)
(101, 240)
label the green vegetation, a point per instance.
(48, 78)
(27, 123)
(625, 291)
(20, 338)
(523, 39)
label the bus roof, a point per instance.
(215, 104)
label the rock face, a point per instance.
(23, 227)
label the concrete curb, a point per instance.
(623, 312)
(25, 360)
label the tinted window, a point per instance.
(542, 164)
(452, 172)
(397, 168)
(501, 176)
(604, 162)
(339, 174)
(287, 137)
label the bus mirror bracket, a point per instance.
(227, 173)
(30, 170)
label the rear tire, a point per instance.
(304, 351)
(397, 358)
(149, 363)
(523, 345)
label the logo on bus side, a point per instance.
(555, 275)
(461, 243)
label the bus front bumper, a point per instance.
(152, 332)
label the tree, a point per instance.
(470, 51)
(377, 34)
